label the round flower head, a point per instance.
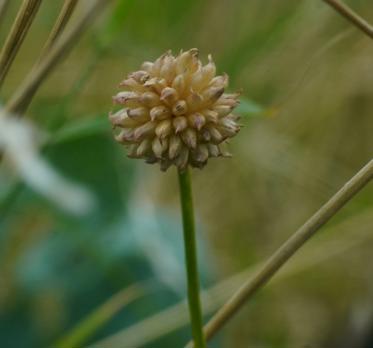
(175, 111)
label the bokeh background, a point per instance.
(306, 77)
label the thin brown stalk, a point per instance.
(174, 317)
(24, 94)
(18, 32)
(3, 7)
(60, 24)
(351, 16)
(288, 249)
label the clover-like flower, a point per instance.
(175, 111)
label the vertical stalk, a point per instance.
(18, 32)
(60, 24)
(23, 95)
(191, 258)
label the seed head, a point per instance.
(175, 111)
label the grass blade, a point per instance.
(176, 316)
(24, 94)
(18, 32)
(351, 16)
(99, 317)
(288, 249)
(60, 24)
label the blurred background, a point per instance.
(112, 276)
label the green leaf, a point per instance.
(248, 108)
(87, 327)
(81, 128)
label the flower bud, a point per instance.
(201, 154)
(150, 99)
(180, 108)
(212, 94)
(189, 136)
(197, 121)
(127, 98)
(157, 147)
(159, 112)
(132, 84)
(117, 118)
(138, 114)
(180, 123)
(144, 130)
(143, 148)
(164, 129)
(201, 78)
(179, 83)
(175, 146)
(213, 150)
(169, 96)
(140, 76)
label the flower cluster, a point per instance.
(175, 111)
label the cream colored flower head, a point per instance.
(175, 111)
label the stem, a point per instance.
(60, 24)
(18, 32)
(191, 258)
(288, 249)
(351, 16)
(23, 95)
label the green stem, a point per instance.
(191, 258)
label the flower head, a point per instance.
(175, 111)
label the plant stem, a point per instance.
(60, 24)
(191, 258)
(351, 16)
(287, 250)
(18, 32)
(23, 95)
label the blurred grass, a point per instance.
(173, 318)
(104, 313)
(296, 62)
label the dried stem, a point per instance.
(191, 258)
(351, 16)
(176, 316)
(288, 249)
(18, 32)
(60, 24)
(23, 96)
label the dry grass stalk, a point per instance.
(18, 32)
(351, 16)
(176, 316)
(60, 24)
(24, 94)
(288, 249)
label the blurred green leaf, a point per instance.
(99, 317)
(82, 128)
(248, 108)
(90, 156)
